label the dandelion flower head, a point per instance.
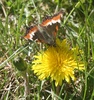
(58, 63)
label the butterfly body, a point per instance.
(46, 31)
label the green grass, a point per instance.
(77, 27)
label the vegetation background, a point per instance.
(77, 26)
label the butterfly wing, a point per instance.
(30, 33)
(51, 24)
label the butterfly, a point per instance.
(46, 31)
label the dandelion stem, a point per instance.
(26, 85)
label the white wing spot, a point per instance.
(31, 35)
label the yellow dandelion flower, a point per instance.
(58, 63)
